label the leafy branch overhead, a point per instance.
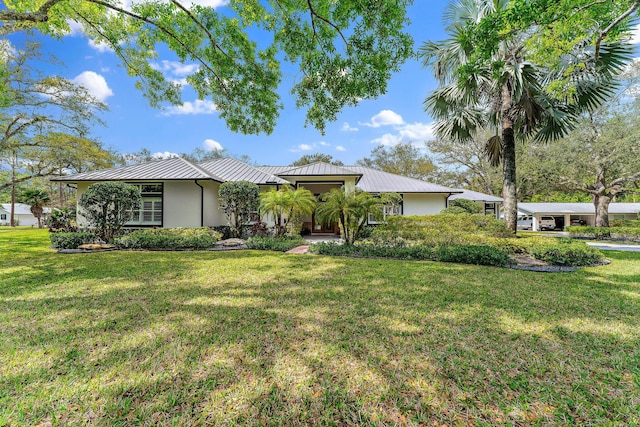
(345, 51)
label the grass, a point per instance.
(262, 338)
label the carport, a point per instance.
(565, 212)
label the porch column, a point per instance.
(534, 223)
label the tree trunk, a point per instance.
(12, 221)
(601, 204)
(509, 193)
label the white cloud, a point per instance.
(75, 28)
(197, 107)
(165, 155)
(347, 128)
(340, 148)
(302, 147)
(384, 118)
(324, 144)
(212, 145)
(100, 46)
(414, 132)
(175, 68)
(95, 84)
(7, 50)
(635, 35)
(210, 3)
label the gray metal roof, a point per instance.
(319, 169)
(576, 208)
(22, 209)
(170, 169)
(475, 196)
(375, 181)
(229, 169)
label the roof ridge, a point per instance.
(201, 170)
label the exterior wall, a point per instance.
(181, 204)
(7, 215)
(423, 204)
(212, 214)
(347, 180)
(20, 219)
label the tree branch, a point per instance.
(326, 21)
(619, 19)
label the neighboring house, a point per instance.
(179, 193)
(564, 213)
(22, 214)
(491, 205)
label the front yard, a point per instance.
(262, 338)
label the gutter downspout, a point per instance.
(446, 201)
(201, 202)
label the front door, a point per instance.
(320, 227)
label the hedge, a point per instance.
(71, 240)
(605, 233)
(280, 244)
(169, 238)
(465, 254)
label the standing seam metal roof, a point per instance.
(230, 169)
(475, 196)
(576, 208)
(319, 168)
(170, 169)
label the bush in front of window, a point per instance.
(169, 238)
(108, 206)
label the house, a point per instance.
(22, 214)
(180, 193)
(491, 205)
(564, 213)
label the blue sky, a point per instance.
(132, 124)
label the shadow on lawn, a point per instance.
(254, 338)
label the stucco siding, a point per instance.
(181, 204)
(423, 204)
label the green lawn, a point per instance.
(260, 338)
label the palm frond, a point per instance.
(494, 150)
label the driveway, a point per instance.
(614, 247)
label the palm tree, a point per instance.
(508, 94)
(274, 202)
(36, 199)
(301, 202)
(287, 203)
(350, 208)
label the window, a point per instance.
(387, 210)
(489, 208)
(150, 210)
(3, 217)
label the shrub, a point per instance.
(473, 254)
(71, 240)
(238, 201)
(280, 244)
(627, 233)
(633, 223)
(62, 220)
(224, 230)
(566, 253)
(169, 238)
(589, 232)
(108, 206)
(454, 210)
(469, 206)
(465, 254)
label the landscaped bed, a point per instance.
(262, 338)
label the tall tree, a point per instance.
(307, 159)
(345, 50)
(600, 158)
(40, 104)
(507, 93)
(402, 159)
(36, 199)
(465, 165)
